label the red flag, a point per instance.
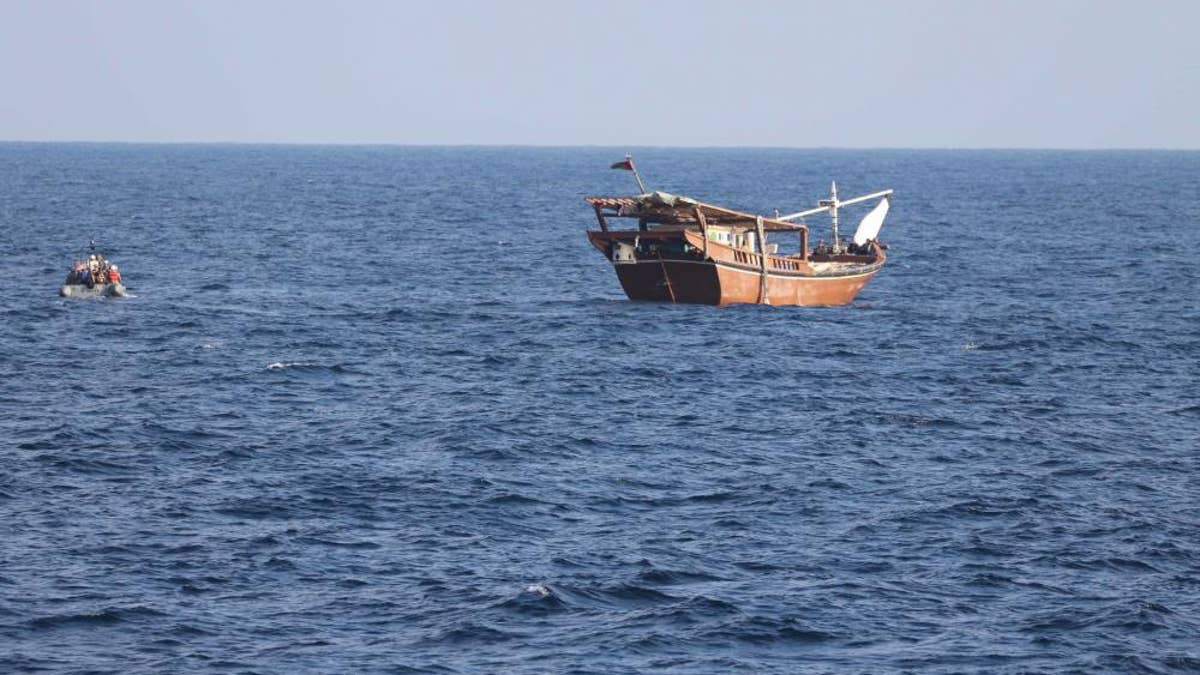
(627, 165)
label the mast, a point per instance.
(832, 204)
(628, 166)
(825, 205)
(636, 176)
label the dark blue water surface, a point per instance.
(383, 409)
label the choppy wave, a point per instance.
(368, 439)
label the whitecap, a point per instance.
(538, 590)
(284, 365)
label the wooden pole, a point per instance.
(636, 176)
(833, 211)
(600, 217)
(825, 205)
(762, 251)
(703, 228)
(666, 277)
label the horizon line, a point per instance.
(548, 146)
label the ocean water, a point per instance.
(383, 409)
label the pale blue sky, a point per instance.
(1013, 73)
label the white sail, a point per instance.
(869, 226)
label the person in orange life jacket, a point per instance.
(114, 274)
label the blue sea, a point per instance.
(385, 410)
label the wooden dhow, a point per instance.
(685, 250)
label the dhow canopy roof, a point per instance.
(668, 209)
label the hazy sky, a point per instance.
(1003, 73)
